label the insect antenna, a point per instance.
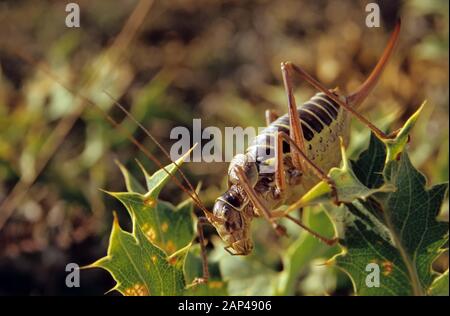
(56, 137)
(146, 131)
(191, 193)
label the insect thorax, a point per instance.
(323, 121)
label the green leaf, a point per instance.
(396, 230)
(440, 285)
(168, 227)
(387, 227)
(139, 267)
(347, 183)
(370, 165)
(397, 145)
(149, 260)
(411, 214)
(303, 251)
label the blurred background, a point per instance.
(185, 59)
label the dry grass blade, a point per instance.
(64, 126)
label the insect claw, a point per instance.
(393, 134)
(197, 281)
(200, 280)
(332, 242)
(280, 230)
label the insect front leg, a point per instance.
(201, 222)
(257, 203)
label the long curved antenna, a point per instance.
(192, 194)
(126, 35)
(357, 97)
(146, 131)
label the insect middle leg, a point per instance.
(280, 180)
(259, 206)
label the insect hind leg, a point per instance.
(313, 167)
(292, 68)
(295, 129)
(326, 240)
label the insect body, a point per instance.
(323, 121)
(289, 157)
(284, 161)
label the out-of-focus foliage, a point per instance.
(211, 59)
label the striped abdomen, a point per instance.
(322, 121)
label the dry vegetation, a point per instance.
(215, 60)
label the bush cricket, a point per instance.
(302, 145)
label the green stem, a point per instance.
(416, 286)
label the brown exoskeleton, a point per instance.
(306, 146)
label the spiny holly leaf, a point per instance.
(168, 227)
(155, 217)
(150, 259)
(410, 214)
(369, 168)
(139, 267)
(347, 183)
(398, 231)
(388, 227)
(394, 147)
(366, 241)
